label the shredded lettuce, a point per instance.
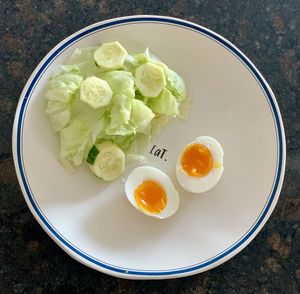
(121, 82)
(74, 141)
(130, 120)
(83, 58)
(138, 147)
(175, 84)
(81, 132)
(59, 96)
(122, 85)
(124, 142)
(59, 120)
(164, 103)
(120, 111)
(72, 68)
(130, 63)
(141, 116)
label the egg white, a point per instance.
(202, 184)
(144, 173)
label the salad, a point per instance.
(107, 104)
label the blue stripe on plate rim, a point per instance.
(126, 272)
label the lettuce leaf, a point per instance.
(120, 111)
(83, 58)
(81, 132)
(121, 82)
(75, 141)
(164, 103)
(59, 96)
(175, 84)
(138, 147)
(124, 142)
(122, 85)
(141, 116)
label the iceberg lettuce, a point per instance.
(129, 121)
(59, 96)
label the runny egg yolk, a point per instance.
(197, 160)
(150, 196)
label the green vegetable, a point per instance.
(143, 57)
(146, 56)
(98, 130)
(122, 85)
(120, 111)
(79, 135)
(83, 58)
(110, 55)
(141, 116)
(75, 141)
(130, 63)
(109, 162)
(95, 92)
(175, 84)
(124, 142)
(59, 96)
(92, 155)
(59, 120)
(107, 105)
(70, 68)
(164, 103)
(150, 79)
(121, 82)
(135, 154)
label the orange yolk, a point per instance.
(151, 197)
(197, 160)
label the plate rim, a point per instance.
(113, 270)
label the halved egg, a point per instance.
(152, 192)
(200, 165)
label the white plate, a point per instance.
(94, 222)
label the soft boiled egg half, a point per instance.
(151, 191)
(200, 165)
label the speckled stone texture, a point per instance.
(268, 32)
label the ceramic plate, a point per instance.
(94, 222)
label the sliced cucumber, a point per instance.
(110, 55)
(95, 92)
(93, 153)
(109, 162)
(150, 79)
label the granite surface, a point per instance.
(268, 32)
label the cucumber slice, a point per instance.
(95, 92)
(109, 162)
(110, 55)
(150, 79)
(93, 153)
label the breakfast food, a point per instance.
(200, 165)
(107, 104)
(151, 191)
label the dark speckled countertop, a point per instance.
(268, 32)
